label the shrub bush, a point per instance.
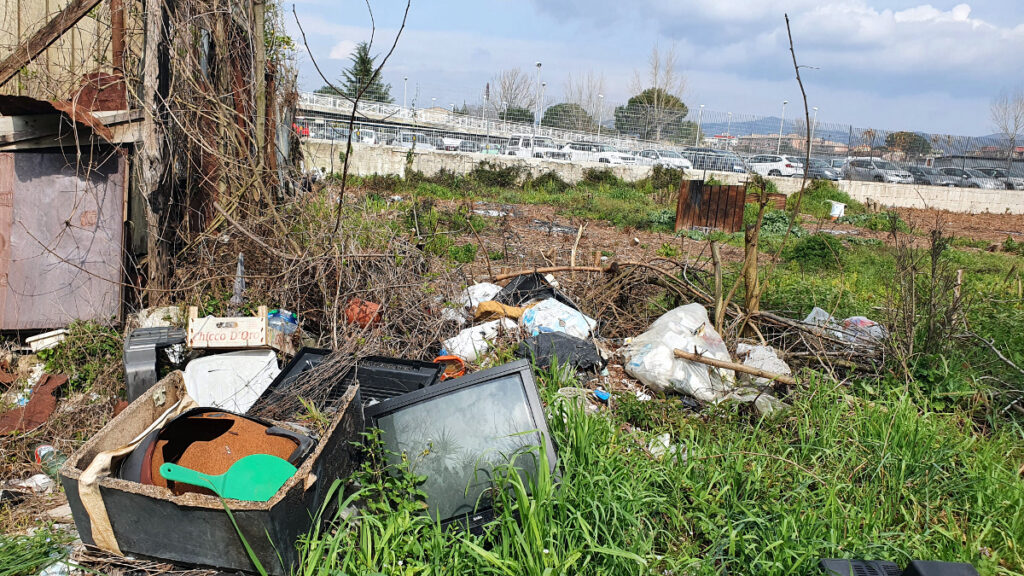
(601, 176)
(817, 196)
(492, 174)
(817, 251)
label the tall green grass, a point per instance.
(837, 476)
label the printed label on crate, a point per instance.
(232, 332)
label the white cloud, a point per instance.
(342, 50)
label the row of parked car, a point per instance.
(690, 158)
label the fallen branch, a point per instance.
(787, 380)
(252, 236)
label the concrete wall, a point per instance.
(368, 160)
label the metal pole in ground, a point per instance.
(782, 122)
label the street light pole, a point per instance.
(700, 120)
(600, 114)
(536, 113)
(405, 90)
(728, 128)
(814, 128)
(782, 122)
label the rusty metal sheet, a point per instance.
(77, 113)
(65, 237)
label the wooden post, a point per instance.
(151, 157)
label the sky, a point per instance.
(885, 64)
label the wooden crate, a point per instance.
(228, 332)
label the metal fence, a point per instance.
(660, 134)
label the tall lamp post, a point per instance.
(814, 128)
(405, 90)
(700, 120)
(600, 114)
(782, 122)
(536, 113)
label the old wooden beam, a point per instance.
(41, 40)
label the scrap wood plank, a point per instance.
(26, 51)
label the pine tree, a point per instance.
(360, 74)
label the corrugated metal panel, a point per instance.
(65, 231)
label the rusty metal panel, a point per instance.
(65, 239)
(714, 207)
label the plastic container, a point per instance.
(838, 208)
(283, 321)
(50, 459)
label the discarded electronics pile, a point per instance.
(232, 430)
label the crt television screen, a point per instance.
(455, 439)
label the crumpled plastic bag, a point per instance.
(650, 356)
(472, 296)
(763, 358)
(553, 316)
(473, 342)
(855, 329)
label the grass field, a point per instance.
(922, 461)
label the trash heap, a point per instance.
(228, 426)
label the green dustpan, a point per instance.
(255, 478)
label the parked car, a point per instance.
(1012, 180)
(415, 141)
(731, 161)
(798, 165)
(490, 148)
(839, 163)
(874, 169)
(821, 170)
(469, 146)
(527, 146)
(711, 159)
(667, 158)
(968, 178)
(364, 136)
(772, 165)
(928, 176)
(597, 152)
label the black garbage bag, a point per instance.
(545, 348)
(529, 287)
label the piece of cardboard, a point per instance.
(194, 529)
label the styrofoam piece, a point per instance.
(232, 381)
(46, 340)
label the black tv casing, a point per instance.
(476, 521)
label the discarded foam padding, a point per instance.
(151, 522)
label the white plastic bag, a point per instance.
(473, 342)
(232, 381)
(553, 316)
(650, 356)
(477, 293)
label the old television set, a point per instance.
(457, 432)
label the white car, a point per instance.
(798, 165)
(597, 152)
(414, 141)
(527, 146)
(668, 158)
(773, 165)
(364, 136)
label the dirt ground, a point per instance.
(994, 228)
